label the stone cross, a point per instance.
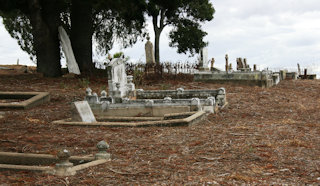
(149, 52)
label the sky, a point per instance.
(272, 34)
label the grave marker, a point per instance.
(149, 52)
(81, 111)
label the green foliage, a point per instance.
(118, 55)
(19, 27)
(185, 17)
(111, 21)
(187, 36)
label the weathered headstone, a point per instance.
(68, 52)
(82, 112)
(117, 74)
(245, 65)
(149, 52)
(203, 63)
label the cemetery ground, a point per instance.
(263, 136)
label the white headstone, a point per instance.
(118, 75)
(68, 52)
(81, 111)
(204, 57)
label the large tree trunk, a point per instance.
(44, 19)
(81, 34)
(156, 45)
(157, 32)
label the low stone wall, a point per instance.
(32, 99)
(262, 79)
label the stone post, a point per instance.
(227, 63)
(130, 87)
(62, 168)
(102, 147)
(195, 104)
(212, 63)
(117, 94)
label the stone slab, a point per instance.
(81, 111)
(154, 111)
(250, 79)
(193, 119)
(68, 52)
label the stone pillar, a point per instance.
(62, 168)
(195, 104)
(130, 87)
(203, 62)
(227, 63)
(212, 63)
(102, 147)
(149, 52)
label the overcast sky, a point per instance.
(268, 33)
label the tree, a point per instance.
(36, 21)
(82, 20)
(185, 17)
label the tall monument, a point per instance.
(149, 52)
(203, 62)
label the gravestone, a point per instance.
(82, 112)
(149, 52)
(203, 62)
(68, 52)
(117, 74)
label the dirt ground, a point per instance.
(264, 136)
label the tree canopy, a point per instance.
(185, 17)
(31, 21)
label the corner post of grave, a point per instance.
(63, 167)
(102, 147)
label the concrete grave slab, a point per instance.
(185, 119)
(30, 99)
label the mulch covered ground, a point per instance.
(264, 136)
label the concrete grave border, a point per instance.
(178, 119)
(64, 163)
(32, 99)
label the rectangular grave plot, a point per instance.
(22, 100)
(44, 163)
